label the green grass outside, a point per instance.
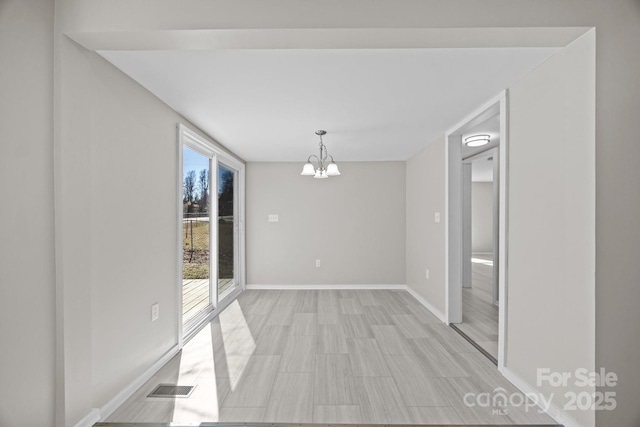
(195, 271)
(196, 264)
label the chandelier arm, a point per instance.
(323, 153)
(313, 155)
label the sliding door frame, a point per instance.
(190, 139)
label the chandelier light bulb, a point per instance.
(332, 169)
(308, 169)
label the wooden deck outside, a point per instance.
(195, 295)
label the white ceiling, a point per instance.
(375, 104)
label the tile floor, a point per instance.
(325, 357)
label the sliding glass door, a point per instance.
(210, 242)
(227, 230)
(197, 235)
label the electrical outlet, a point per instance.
(318, 263)
(155, 312)
(436, 217)
(273, 218)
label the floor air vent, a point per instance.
(172, 390)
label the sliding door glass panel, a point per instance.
(226, 230)
(196, 235)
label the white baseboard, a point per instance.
(128, 391)
(413, 293)
(90, 419)
(555, 412)
(320, 287)
(440, 315)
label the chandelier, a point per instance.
(321, 169)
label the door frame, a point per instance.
(453, 217)
(189, 138)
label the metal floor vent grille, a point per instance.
(172, 390)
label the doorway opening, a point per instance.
(480, 187)
(476, 230)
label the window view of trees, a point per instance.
(203, 186)
(196, 192)
(196, 225)
(225, 226)
(196, 206)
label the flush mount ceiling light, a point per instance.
(477, 140)
(321, 169)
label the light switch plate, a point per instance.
(155, 312)
(273, 218)
(436, 217)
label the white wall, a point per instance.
(116, 215)
(354, 223)
(551, 221)
(482, 217)
(27, 272)
(116, 200)
(425, 238)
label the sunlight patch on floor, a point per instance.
(238, 342)
(214, 360)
